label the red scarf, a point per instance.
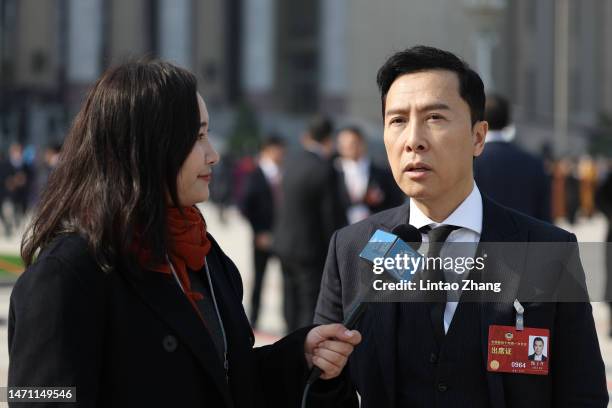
(187, 247)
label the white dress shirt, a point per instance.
(468, 216)
(356, 179)
(270, 170)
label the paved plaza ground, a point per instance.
(234, 236)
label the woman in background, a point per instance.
(126, 295)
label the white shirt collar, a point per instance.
(495, 136)
(506, 134)
(467, 215)
(269, 169)
(362, 165)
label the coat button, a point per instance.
(433, 358)
(170, 343)
(442, 387)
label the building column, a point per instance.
(487, 16)
(174, 35)
(259, 52)
(333, 44)
(84, 48)
(485, 43)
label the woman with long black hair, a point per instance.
(126, 295)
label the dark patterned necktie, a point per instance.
(437, 237)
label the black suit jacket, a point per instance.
(310, 211)
(532, 357)
(514, 178)
(130, 338)
(571, 382)
(257, 202)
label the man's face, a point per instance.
(350, 146)
(275, 153)
(429, 138)
(538, 347)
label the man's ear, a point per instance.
(479, 134)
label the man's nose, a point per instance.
(415, 140)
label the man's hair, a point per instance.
(538, 339)
(320, 128)
(497, 112)
(272, 140)
(422, 58)
(355, 130)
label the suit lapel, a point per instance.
(503, 265)
(264, 183)
(167, 301)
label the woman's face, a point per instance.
(196, 173)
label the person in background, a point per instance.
(259, 204)
(603, 201)
(126, 295)
(507, 173)
(19, 182)
(6, 171)
(571, 179)
(310, 212)
(221, 188)
(49, 161)
(587, 175)
(364, 187)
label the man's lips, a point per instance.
(417, 167)
(417, 171)
(206, 177)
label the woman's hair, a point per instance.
(120, 162)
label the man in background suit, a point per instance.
(435, 354)
(507, 173)
(365, 188)
(309, 214)
(259, 203)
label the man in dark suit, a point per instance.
(365, 188)
(435, 354)
(538, 350)
(309, 214)
(259, 202)
(507, 173)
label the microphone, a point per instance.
(381, 244)
(409, 234)
(384, 245)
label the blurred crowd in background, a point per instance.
(23, 174)
(295, 113)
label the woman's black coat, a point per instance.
(131, 338)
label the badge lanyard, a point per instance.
(214, 299)
(520, 312)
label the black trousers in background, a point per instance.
(301, 284)
(260, 261)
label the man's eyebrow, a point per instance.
(424, 108)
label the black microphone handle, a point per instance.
(349, 322)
